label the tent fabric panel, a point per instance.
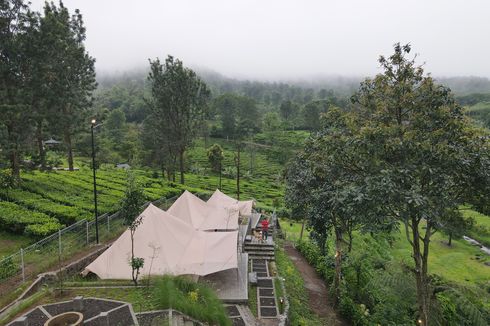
(220, 199)
(169, 246)
(202, 215)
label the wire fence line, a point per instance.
(67, 243)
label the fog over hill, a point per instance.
(341, 84)
(285, 39)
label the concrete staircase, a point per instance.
(260, 250)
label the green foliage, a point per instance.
(289, 110)
(239, 115)
(115, 124)
(299, 310)
(448, 309)
(481, 227)
(271, 121)
(196, 300)
(7, 268)
(16, 219)
(133, 200)
(65, 214)
(137, 263)
(53, 159)
(177, 108)
(229, 172)
(456, 225)
(71, 71)
(311, 113)
(481, 113)
(7, 180)
(215, 157)
(406, 154)
(378, 288)
(357, 313)
(474, 98)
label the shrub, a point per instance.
(7, 268)
(18, 220)
(357, 313)
(196, 300)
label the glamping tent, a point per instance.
(220, 199)
(202, 215)
(168, 246)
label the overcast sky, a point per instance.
(271, 39)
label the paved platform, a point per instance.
(231, 285)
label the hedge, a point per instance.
(17, 219)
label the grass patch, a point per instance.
(481, 229)
(299, 310)
(197, 300)
(252, 299)
(457, 263)
(7, 298)
(10, 243)
(25, 305)
(292, 229)
(140, 298)
(279, 294)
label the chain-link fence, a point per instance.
(58, 249)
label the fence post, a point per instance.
(22, 264)
(108, 225)
(59, 243)
(86, 227)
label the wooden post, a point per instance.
(22, 264)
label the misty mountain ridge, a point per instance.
(340, 84)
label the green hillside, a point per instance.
(47, 201)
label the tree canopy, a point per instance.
(405, 155)
(178, 105)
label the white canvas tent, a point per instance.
(222, 200)
(168, 246)
(202, 215)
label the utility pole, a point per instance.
(92, 127)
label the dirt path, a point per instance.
(317, 290)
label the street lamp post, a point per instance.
(92, 127)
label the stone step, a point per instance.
(260, 253)
(262, 257)
(259, 245)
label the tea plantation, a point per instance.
(47, 201)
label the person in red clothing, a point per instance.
(265, 228)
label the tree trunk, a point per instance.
(69, 149)
(174, 164)
(14, 163)
(450, 240)
(420, 260)
(358, 280)
(302, 228)
(40, 145)
(349, 249)
(238, 173)
(181, 165)
(163, 172)
(338, 265)
(13, 153)
(134, 276)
